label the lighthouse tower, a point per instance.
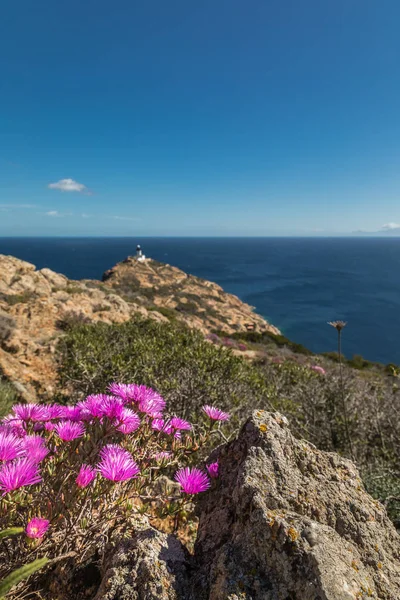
(139, 254)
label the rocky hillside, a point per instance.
(36, 306)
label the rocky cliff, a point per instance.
(35, 305)
(283, 521)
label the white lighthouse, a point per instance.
(139, 254)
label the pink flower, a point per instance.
(69, 430)
(122, 390)
(18, 473)
(215, 414)
(180, 424)
(10, 446)
(72, 413)
(213, 469)
(30, 412)
(37, 527)
(112, 407)
(117, 464)
(173, 426)
(52, 411)
(193, 481)
(85, 476)
(318, 369)
(91, 407)
(35, 448)
(17, 426)
(99, 406)
(128, 421)
(148, 401)
(152, 406)
(158, 424)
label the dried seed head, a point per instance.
(338, 324)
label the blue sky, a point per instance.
(222, 117)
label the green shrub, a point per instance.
(164, 310)
(188, 371)
(267, 338)
(75, 289)
(8, 396)
(12, 299)
(359, 362)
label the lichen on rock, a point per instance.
(288, 522)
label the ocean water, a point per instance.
(298, 284)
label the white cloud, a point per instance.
(69, 185)
(55, 213)
(390, 226)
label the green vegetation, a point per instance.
(20, 574)
(190, 372)
(169, 313)
(268, 339)
(12, 299)
(75, 289)
(8, 396)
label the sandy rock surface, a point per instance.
(35, 303)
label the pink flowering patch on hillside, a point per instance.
(71, 473)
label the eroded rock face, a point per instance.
(33, 302)
(288, 522)
(199, 303)
(150, 566)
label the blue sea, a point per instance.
(298, 284)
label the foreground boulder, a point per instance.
(150, 566)
(288, 522)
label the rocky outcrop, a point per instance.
(199, 303)
(150, 566)
(288, 522)
(34, 305)
(283, 521)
